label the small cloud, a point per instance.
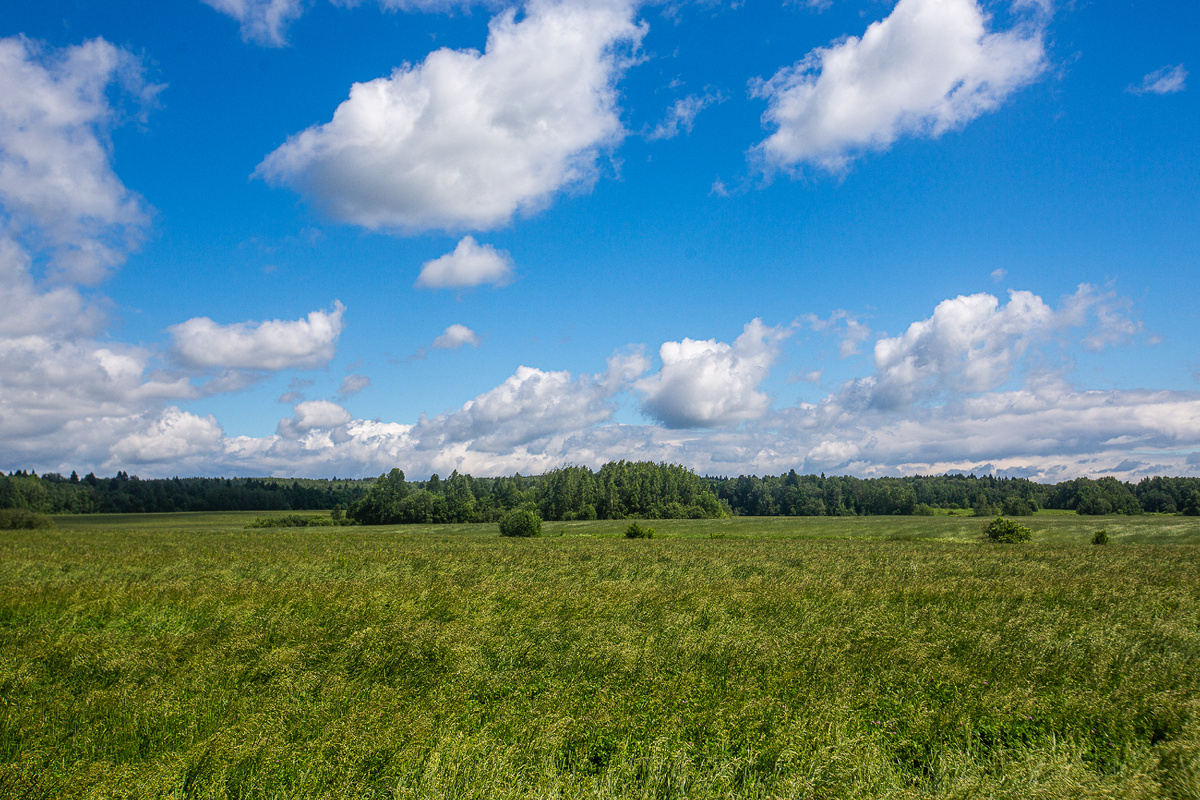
(853, 332)
(291, 398)
(999, 275)
(682, 115)
(311, 415)
(352, 385)
(263, 22)
(455, 337)
(452, 338)
(1167, 80)
(471, 264)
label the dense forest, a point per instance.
(618, 490)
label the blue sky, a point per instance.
(249, 237)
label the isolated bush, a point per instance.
(520, 522)
(635, 531)
(1100, 537)
(23, 519)
(1005, 530)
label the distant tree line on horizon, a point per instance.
(618, 490)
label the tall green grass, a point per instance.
(878, 657)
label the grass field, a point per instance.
(184, 656)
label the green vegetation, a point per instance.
(299, 521)
(520, 522)
(23, 518)
(1100, 537)
(795, 657)
(619, 490)
(1007, 531)
(635, 531)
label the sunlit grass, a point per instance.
(184, 656)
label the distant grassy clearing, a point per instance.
(184, 656)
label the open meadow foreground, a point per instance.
(186, 656)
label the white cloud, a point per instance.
(352, 385)
(274, 345)
(311, 415)
(999, 274)
(1046, 429)
(470, 264)
(970, 344)
(63, 400)
(1166, 80)
(56, 178)
(455, 337)
(28, 310)
(709, 384)
(467, 139)
(682, 116)
(173, 436)
(263, 21)
(853, 332)
(531, 405)
(929, 67)
(1105, 315)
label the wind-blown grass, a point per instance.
(446, 661)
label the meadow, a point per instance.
(183, 655)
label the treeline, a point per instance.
(618, 490)
(53, 494)
(815, 496)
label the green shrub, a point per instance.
(1005, 530)
(23, 519)
(1100, 537)
(520, 522)
(635, 531)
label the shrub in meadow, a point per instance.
(635, 531)
(520, 522)
(1100, 537)
(1005, 530)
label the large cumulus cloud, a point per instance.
(929, 67)
(467, 139)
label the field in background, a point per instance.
(184, 656)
